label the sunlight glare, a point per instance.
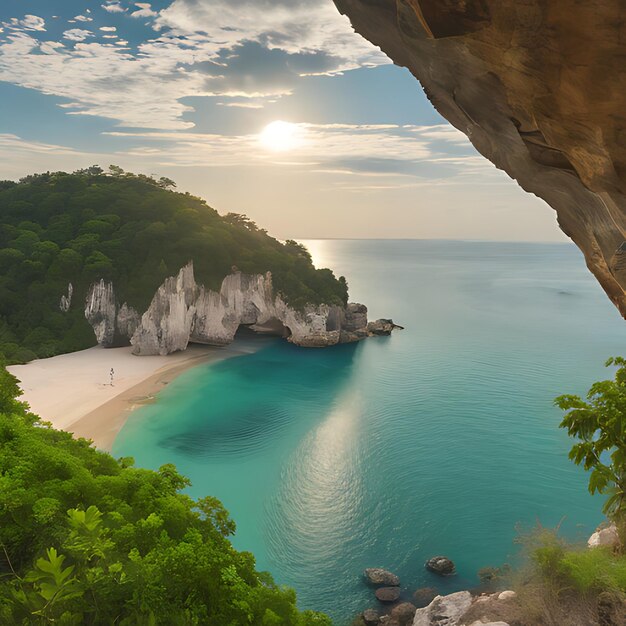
(280, 136)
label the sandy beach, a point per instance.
(74, 393)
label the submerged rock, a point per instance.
(403, 613)
(424, 596)
(370, 617)
(379, 576)
(441, 565)
(387, 594)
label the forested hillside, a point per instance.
(57, 228)
(85, 539)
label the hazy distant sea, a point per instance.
(438, 440)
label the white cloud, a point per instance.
(77, 34)
(108, 29)
(109, 36)
(193, 40)
(364, 149)
(294, 26)
(83, 18)
(145, 10)
(29, 22)
(113, 7)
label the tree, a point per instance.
(88, 540)
(599, 425)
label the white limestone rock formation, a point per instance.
(444, 610)
(183, 312)
(111, 324)
(66, 300)
(605, 536)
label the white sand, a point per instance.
(73, 391)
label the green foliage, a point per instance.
(86, 539)
(599, 425)
(57, 228)
(582, 570)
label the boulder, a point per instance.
(355, 317)
(381, 327)
(370, 617)
(404, 613)
(378, 576)
(444, 610)
(387, 594)
(507, 595)
(604, 536)
(441, 565)
(424, 596)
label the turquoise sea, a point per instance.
(438, 440)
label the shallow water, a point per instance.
(439, 439)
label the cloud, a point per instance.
(77, 34)
(113, 7)
(83, 18)
(382, 150)
(28, 23)
(294, 26)
(233, 50)
(145, 10)
(108, 29)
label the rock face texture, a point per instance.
(539, 87)
(111, 324)
(444, 610)
(605, 536)
(378, 576)
(183, 311)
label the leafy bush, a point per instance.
(599, 426)
(86, 539)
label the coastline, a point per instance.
(73, 392)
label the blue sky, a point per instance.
(187, 89)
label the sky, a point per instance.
(272, 108)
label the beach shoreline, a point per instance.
(73, 392)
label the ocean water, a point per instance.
(441, 439)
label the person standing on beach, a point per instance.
(112, 374)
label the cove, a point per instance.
(438, 440)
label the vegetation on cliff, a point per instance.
(58, 228)
(85, 539)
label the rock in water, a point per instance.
(387, 594)
(424, 596)
(403, 613)
(441, 565)
(444, 610)
(378, 576)
(370, 617)
(539, 87)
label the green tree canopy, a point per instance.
(598, 423)
(58, 228)
(86, 539)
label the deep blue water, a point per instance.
(439, 439)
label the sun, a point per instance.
(280, 136)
